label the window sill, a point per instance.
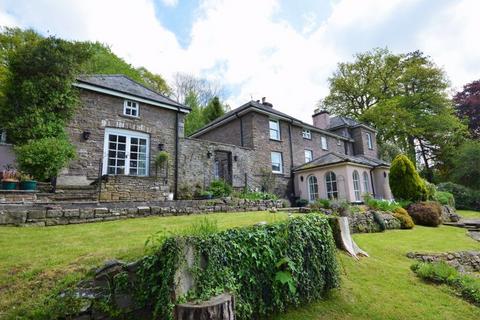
(276, 140)
(129, 117)
(307, 138)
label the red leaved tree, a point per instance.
(467, 106)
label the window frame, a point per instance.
(331, 179)
(366, 182)
(369, 141)
(322, 145)
(131, 108)
(280, 163)
(315, 188)
(357, 189)
(306, 134)
(305, 154)
(277, 130)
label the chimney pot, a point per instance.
(263, 99)
(321, 119)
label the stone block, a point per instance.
(143, 210)
(101, 212)
(13, 218)
(54, 213)
(71, 213)
(34, 224)
(86, 213)
(36, 214)
(56, 222)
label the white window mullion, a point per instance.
(127, 156)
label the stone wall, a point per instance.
(367, 222)
(51, 215)
(463, 261)
(129, 188)
(17, 196)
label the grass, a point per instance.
(383, 287)
(33, 261)
(468, 214)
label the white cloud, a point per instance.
(245, 45)
(170, 3)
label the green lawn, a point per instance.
(33, 260)
(468, 214)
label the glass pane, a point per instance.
(111, 154)
(122, 139)
(111, 162)
(133, 171)
(134, 141)
(112, 145)
(134, 148)
(143, 149)
(120, 163)
(142, 172)
(112, 138)
(134, 112)
(121, 146)
(121, 154)
(143, 142)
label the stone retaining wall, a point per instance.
(366, 222)
(51, 215)
(131, 188)
(12, 196)
(463, 261)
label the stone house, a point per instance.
(336, 157)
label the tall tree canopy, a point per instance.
(467, 106)
(404, 96)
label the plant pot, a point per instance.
(9, 184)
(28, 185)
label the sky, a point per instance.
(284, 50)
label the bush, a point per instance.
(44, 158)
(427, 213)
(220, 188)
(257, 196)
(301, 202)
(266, 267)
(465, 198)
(445, 198)
(440, 272)
(320, 204)
(383, 205)
(404, 180)
(405, 219)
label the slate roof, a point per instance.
(260, 106)
(340, 121)
(334, 158)
(123, 84)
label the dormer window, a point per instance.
(130, 108)
(306, 134)
(369, 140)
(324, 143)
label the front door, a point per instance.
(223, 166)
(125, 152)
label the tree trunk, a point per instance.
(221, 307)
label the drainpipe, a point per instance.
(177, 144)
(371, 181)
(241, 128)
(291, 156)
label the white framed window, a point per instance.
(126, 152)
(308, 155)
(274, 129)
(356, 185)
(366, 182)
(277, 163)
(324, 142)
(307, 134)
(331, 185)
(130, 108)
(312, 188)
(369, 140)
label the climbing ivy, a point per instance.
(267, 268)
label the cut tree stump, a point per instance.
(221, 307)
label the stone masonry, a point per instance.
(463, 261)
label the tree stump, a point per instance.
(221, 307)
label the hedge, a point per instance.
(465, 198)
(267, 268)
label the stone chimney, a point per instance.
(321, 119)
(266, 103)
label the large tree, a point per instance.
(466, 165)
(405, 98)
(467, 106)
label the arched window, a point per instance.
(366, 182)
(331, 184)
(356, 185)
(312, 188)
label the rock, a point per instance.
(273, 210)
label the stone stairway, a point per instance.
(71, 194)
(472, 226)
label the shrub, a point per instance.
(445, 198)
(320, 204)
(383, 205)
(220, 188)
(301, 202)
(44, 158)
(465, 198)
(203, 227)
(404, 180)
(257, 196)
(185, 193)
(405, 219)
(440, 272)
(265, 267)
(427, 213)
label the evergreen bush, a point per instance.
(405, 219)
(445, 198)
(405, 182)
(220, 188)
(465, 198)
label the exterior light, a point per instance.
(209, 154)
(161, 146)
(86, 135)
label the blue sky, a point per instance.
(282, 49)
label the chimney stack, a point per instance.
(321, 119)
(266, 103)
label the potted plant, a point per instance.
(9, 179)
(27, 182)
(161, 160)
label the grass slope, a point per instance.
(34, 260)
(383, 287)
